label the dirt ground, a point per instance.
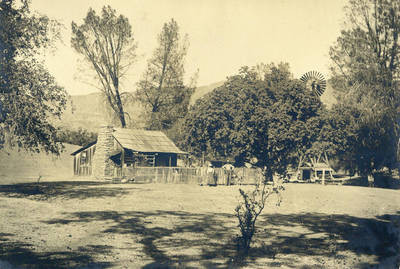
(88, 224)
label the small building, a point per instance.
(315, 171)
(119, 148)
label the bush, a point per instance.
(248, 210)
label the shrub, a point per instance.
(248, 210)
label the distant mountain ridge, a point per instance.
(203, 90)
(89, 111)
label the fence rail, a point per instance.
(188, 175)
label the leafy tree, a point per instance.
(356, 131)
(29, 94)
(79, 137)
(367, 51)
(365, 74)
(274, 120)
(107, 44)
(161, 90)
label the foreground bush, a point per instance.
(248, 210)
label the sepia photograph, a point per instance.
(199, 134)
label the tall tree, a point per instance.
(366, 75)
(274, 119)
(107, 44)
(367, 51)
(161, 90)
(29, 95)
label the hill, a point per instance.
(84, 111)
(203, 90)
(89, 111)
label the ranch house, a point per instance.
(117, 149)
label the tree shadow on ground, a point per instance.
(24, 255)
(190, 231)
(182, 239)
(327, 236)
(63, 190)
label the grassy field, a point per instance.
(86, 224)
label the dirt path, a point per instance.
(85, 224)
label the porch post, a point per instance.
(122, 162)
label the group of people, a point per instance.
(212, 175)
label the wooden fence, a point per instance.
(188, 175)
(161, 174)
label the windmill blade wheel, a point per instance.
(315, 82)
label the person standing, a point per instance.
(370, 180)
(211, 177)
(228, 169)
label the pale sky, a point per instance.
(224, 34)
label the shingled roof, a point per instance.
(145, 141)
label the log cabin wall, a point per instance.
(148, 159)
(166, 159)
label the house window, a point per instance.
(83, 157)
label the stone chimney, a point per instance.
(102, 165)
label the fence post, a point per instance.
(163, 176)
(168, 176)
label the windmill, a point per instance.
(315, 168)
(315, 82)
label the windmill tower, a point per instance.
(314, 167)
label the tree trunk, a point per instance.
(121, 113)
(122, 116)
